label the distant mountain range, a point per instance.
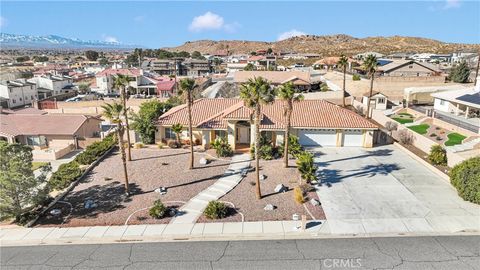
(53, 41)
(329, 45)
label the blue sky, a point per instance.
(156, 24)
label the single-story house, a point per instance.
(50, 135)
(378, 101)
(301, 79)
(465, 102)
(315, 122)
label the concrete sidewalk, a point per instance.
(219, 231)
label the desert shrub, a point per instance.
(298, 195)
(405, 137)
(267, 151)
(222, 147)
(294, 146)
(173, 144)
(138, 145)
(216, 210)
(160, 145)
(438, 155)
(356, 77)
(66, 174)
(433, 135)
(158, 210)
(465, 177)
(96, 150)
(391, 126)
(306, 167)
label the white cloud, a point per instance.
(207, 21)
(110, 39)
(291, 33)
(3, 21)
(451, 4)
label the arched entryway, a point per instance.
(242, 135)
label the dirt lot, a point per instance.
(104, 186)
(244, 198)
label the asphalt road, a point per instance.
(442, 252)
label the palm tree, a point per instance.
(256, 92)
(288, 93)
(121, 83)
(370, 66)
(343, 63)
(187, 86)
(114, 112)
(177, 128)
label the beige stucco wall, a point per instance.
(89, 129)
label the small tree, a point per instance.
(438, 155)
(222, 147)
(249, 67)
(143, 122)
(465, 177)
(343, 64)
(391, 126)
(306, 166)
(91, 55)
(158, 210)
(177, 128)
(187, 87)
(370, 66)
(20, 190)
(460, 73)
(216, 210)
(84, 88)
(405, 137)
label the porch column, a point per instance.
(457, 111)
(206, 138)
(231, 133)
(467, 112)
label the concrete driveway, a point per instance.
(383, 190)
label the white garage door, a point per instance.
(352, 137)
(318, 137)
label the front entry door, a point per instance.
(243, 135)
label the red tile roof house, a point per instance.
(50, 135)
(315, 122)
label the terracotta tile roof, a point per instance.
(275, 77)
(165, 85)
(214, 113)
(123, 71)
(34, 124)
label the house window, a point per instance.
(14, 101)
(169, 134)
(220, 134)
(442, 102)
(381, 100)
(36, 140)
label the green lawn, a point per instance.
(454, 138)
(403, 120)
(406, 114)
(37, 165)
(420, 129)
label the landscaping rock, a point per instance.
(55, 212)
(203, 161)
(315, 202)
(263, 177)
(269, 207)
(280, 188)
(295, 217)
(89, 204)
(161, 190)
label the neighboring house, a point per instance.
(301, 79)
(464, 102)
(406, 68)
(232, 67)
(178, 66)
(362, 56)
(263, 62)
(52, 85)
(378, 101)
(50, 135)
(315, 122)
(106, 78)
(18, 93)
(423, 94)
(195, 68)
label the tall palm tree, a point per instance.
(343, 63)
(370, 66)
(177, 128)
(256, 92)
(121, 83)
(187, 87)
(113, 112)
(288, 93)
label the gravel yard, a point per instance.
(104, 186)
(244, 198)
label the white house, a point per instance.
(464, 102)
(378, 101)
(18, 92)
(52, 85)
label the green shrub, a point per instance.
(306, 166)
(465, 177)
(66, 174)
(438, 155)
(158, 209)
(173, 144)
(356, 77)
(96, 150)
(222, 147)
(216, 210)
(267, 150)
(294, 146)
